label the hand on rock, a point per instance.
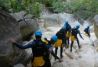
(12, 40)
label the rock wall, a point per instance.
(27, 25)
(27, 28)
(9, 54)
(96, 25)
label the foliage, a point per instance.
(82, 8)
(4, 4)
(35, 9)
(29, 6)
(58, 6)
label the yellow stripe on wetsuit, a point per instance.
(43, 40)
(68, 34)
(73, 38)
(58, 43)
(38, 61)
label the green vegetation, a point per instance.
(30, 6)
(58, 6)
(82, 8)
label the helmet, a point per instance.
(54, 38)
(38, 33)
(65, 24)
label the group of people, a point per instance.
(68, 35)
(41, 50)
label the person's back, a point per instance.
(39, 48)
(61, 33)
(68, 27)
(40, 53)
(74, 37)
(74, 32)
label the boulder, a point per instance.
(9, 54)
(19, 15)
(27, 28)
(51, 20)
(27, 25)
(96, 25)
(19, 65)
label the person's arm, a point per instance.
(29, 45)
(80, 34)
(50, 48)
(55, 56)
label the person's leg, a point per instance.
(56, 49)
(89, 34)
(78, 43)
(67, 41)
(47, 64)
(64, 42)
(71, 46)
(61, 51)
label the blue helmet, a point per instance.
(38, 33)
(65, 24)
(54, 38)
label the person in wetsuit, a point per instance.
(40, 50)
(63, 38)
(74, 32)
(67, 32)
(87, 31)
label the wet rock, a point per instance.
(96, 25)
(18, 15)
(9, 54)
(19, 65)
(53, 19)
(27, 25)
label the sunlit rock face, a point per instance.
(27, 25)
(27, 28)
(9, 28)
(96, 25)
(51, 20)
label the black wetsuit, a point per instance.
(87, 31)
(39, 48)
(74, 33)
(61, 35)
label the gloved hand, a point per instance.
(12, 40)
